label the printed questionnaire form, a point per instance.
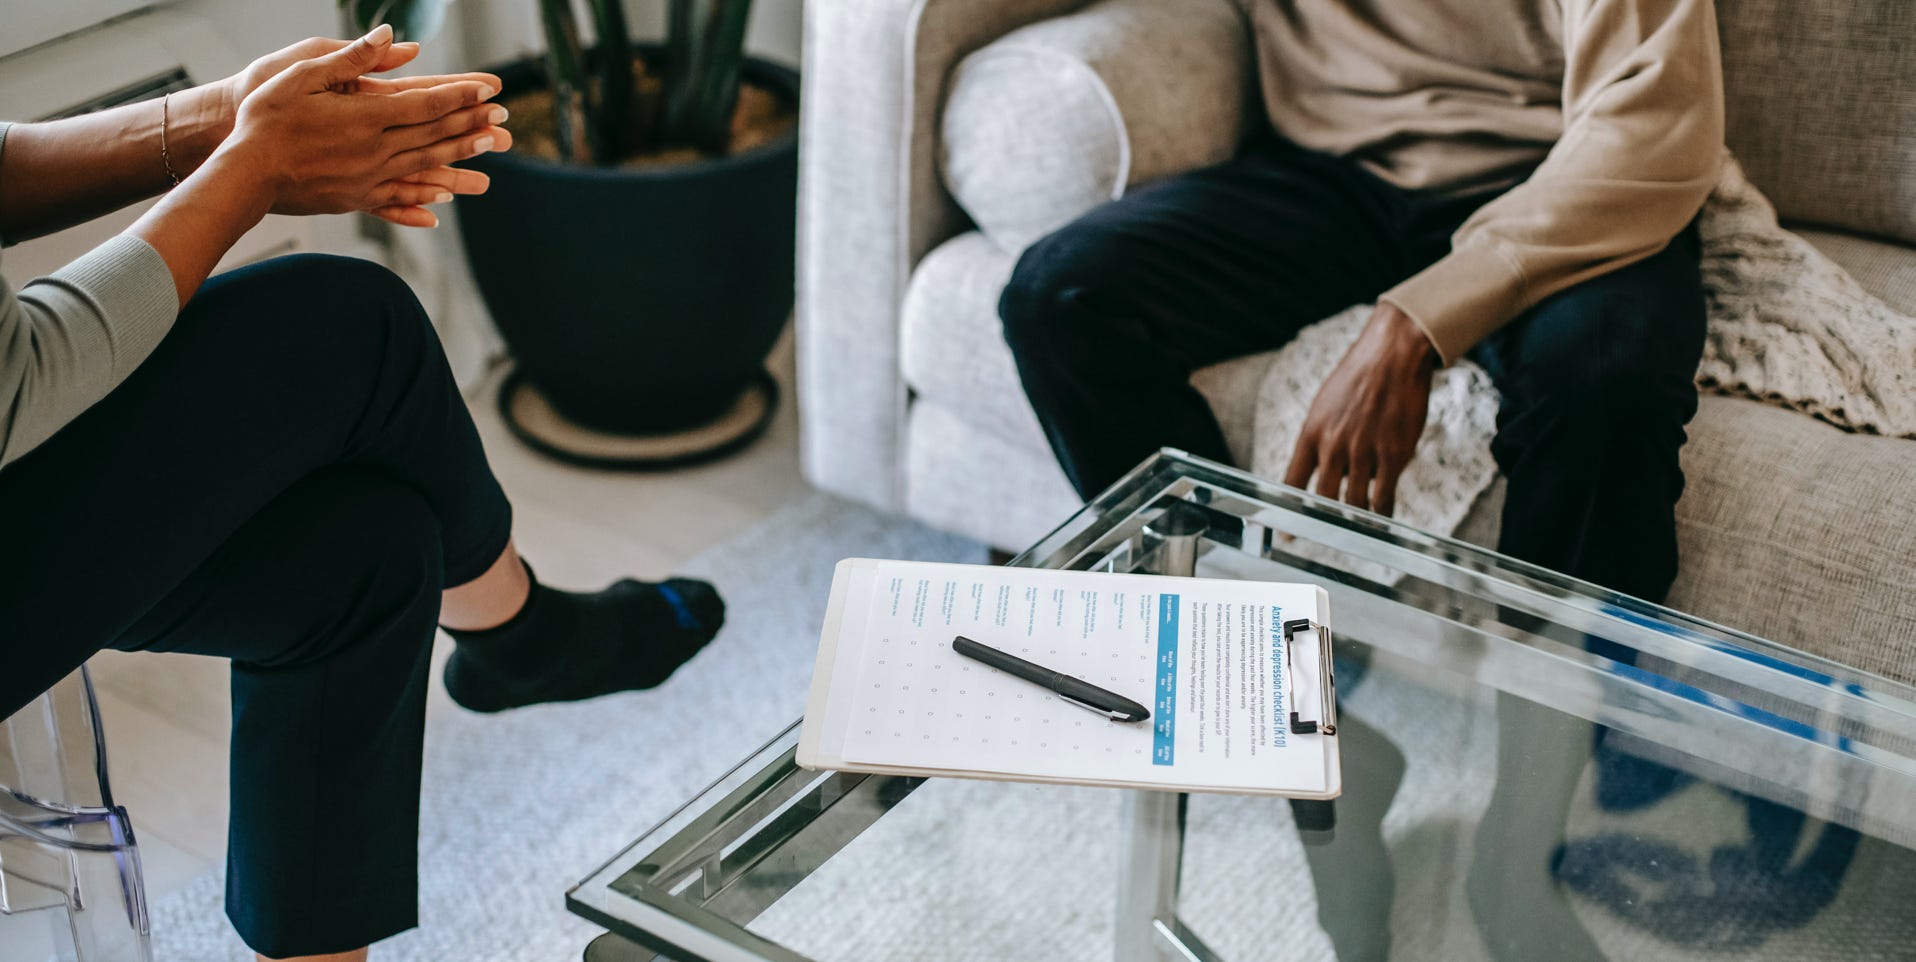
(1206, 657)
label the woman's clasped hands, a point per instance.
(315, 134)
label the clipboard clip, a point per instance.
(1327, 686)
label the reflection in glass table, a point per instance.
(1534, 768)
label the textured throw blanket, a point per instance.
(1787, 326)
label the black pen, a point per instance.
(1074, 690)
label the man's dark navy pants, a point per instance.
(1109, 317)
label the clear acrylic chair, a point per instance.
(70, 881)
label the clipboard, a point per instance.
(1324, 718)
(886, 627)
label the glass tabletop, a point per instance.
(1534, 768)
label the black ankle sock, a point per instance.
(566, 646)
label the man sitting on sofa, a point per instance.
(1509, 182)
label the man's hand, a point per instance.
(1363, 427)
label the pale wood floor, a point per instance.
(166, 715)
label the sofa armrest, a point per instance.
(870, 204)
(1055, 118)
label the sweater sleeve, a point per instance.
(1640, 151)
(69, 338)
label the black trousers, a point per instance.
(1109, 317)
(289, 481)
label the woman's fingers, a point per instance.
(312, 47)
(269, 66)
(398, 55)
(445, 153)
(406, 216)
(403, 202)
(423, 105)
(455, 180)
(445, 128)
(350, 62)
(403, 193)
(393, 85)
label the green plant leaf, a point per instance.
(565, 74)
(706, 50)
(717, 83)
(682, 53)
(411, 19)
(613, 116)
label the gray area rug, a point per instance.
(519, 807)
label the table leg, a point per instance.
(611, 948)
(1153, 834)
(1152, 823)
(1176, 533)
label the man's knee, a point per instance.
(1053, 282)
(1621, 347)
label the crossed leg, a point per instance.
(290, 480)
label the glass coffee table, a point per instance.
(1534, 769)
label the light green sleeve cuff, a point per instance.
(68, 339)
(129, 286)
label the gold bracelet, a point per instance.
(166, 157)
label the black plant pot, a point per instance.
(639, 302)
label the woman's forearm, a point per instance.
(197, 223)
(85, 166)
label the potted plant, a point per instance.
(636, 246)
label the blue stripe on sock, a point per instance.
(687, 619)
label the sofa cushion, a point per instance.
(1795, 531)
(954, 351)
(1791, 530)
(1821, 102)
(1055, 118)
(963, 479)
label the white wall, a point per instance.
(257, 26)
(30, 23)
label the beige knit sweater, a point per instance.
(1617, 103)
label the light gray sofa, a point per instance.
(942, 136)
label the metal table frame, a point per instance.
(688, 888)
